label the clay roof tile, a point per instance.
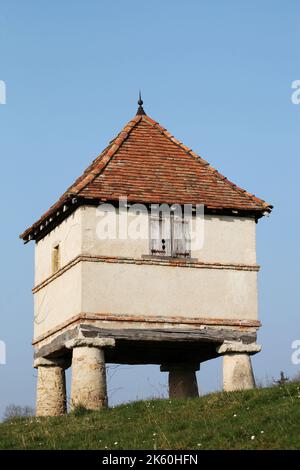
(147, 164)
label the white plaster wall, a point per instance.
(226, 240)
(58, 301)
(169, 291)
(69, 236)
(93, 287)
(126, 247)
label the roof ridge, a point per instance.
(202, 160)
(84, 178)
(109, 152)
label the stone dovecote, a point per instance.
(160, 298)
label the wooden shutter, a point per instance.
(187, 236)
(160, 235)
(178, 240)
(166, 234)
(181, 237)
(154, 235)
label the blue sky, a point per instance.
(217, 74)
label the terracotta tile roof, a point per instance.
(147, 164)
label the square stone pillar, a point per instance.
(51, 387)
(182, 380)
(237, 367)
(88, 388)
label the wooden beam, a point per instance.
(217, 335)
(133, 337)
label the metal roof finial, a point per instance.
(140, 110)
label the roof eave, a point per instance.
(60, 212)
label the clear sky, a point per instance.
(216, 74)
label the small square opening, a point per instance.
(55, 258)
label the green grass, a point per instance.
(215, 421)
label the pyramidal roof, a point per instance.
(146, 164)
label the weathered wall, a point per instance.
(227, 239)
(60, 300)
(92, 245)
(69, 236)
(169, 291)
(145, 289)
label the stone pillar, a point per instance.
(237, 368)
(88, 388)
(182, 380)
(51, 387)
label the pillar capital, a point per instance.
(53, 362)
(238, 347)
(182, 379)
(90, 343)
(194, 366)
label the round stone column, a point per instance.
(51, 388)
(88, 387)
(237, 367)
(237, 372)
(182, 380)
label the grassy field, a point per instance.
(266, 418)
